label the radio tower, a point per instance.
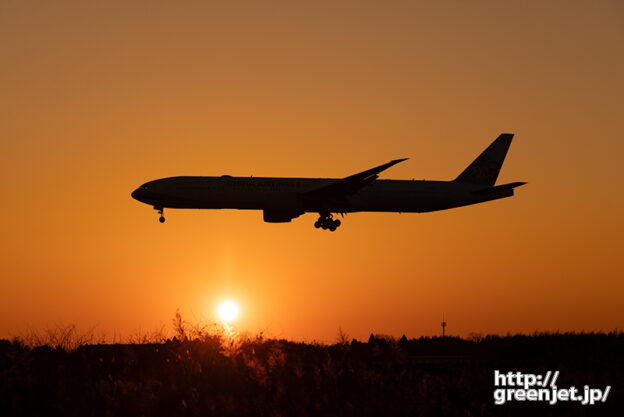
(443, 324)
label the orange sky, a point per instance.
(97, 99)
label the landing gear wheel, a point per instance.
(326, 221)
(162, 214)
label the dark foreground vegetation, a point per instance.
(208, 375)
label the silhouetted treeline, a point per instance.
(210, 376)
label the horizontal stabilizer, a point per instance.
(499, 188)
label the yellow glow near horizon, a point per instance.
(228, 311)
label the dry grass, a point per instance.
(200, 369)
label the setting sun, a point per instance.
(228, 311)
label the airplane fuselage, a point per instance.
(261, 193)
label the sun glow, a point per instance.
(228, 311)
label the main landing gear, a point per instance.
(161, 212)
(326, 221)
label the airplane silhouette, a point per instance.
(283, 199)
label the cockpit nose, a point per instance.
(140, 193)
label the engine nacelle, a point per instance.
(280, 216)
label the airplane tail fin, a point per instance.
(484, 170)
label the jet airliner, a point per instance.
(283, 199)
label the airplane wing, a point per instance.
(351, 184)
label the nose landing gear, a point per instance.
(161, 212)
(327, 221)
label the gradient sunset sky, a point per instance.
(98, 98)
